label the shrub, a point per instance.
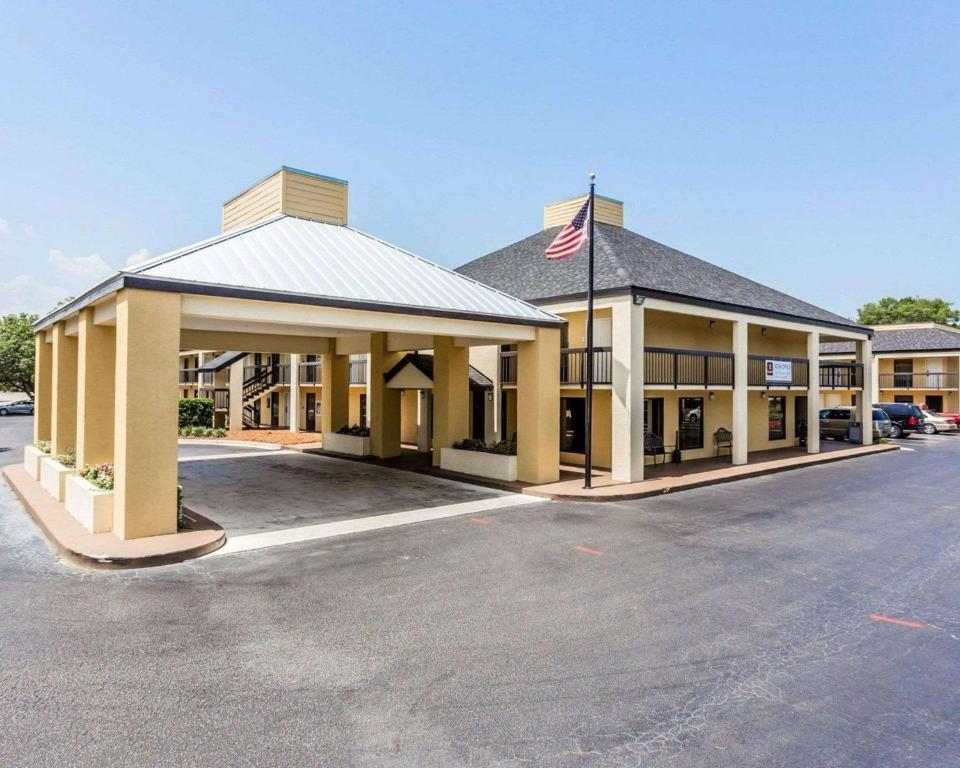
(196, 431)
(42, 445)
(99, 475)
(503, 448)
(356, 430)
(68, 459)
(181, 519)
(196, 412)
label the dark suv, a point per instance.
(906, 418)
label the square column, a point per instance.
(741, 381)
(627, 416)
(63, 420)
(865, 401)
(42, 387)
(335, 392)
(538, 408)
(813, 394)
(294, 399)
(145, 419)
(96, 379)
(873, 380)
(235, 411)
(383, 403)
(451, 394)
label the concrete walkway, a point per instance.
(666, 478)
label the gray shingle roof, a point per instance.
(902, 340)
(623, 259)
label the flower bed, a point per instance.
(54, 471)
(208, 432)
(353, 441)
(32, 454)
(473, 457)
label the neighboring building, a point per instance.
(913, 363)
(684, 348)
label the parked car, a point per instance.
(906, 418)
(18, 407)
(953, 416)
(936, 422)
(835, 422)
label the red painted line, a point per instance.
(480, 520)
(898, 622)
(587, 550)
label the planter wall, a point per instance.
(53, 477)
(491, 465)
(352, 445)
(89, 505)
(31, 460)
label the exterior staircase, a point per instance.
(261, 383)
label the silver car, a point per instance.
(933, 423)
(835, 422)
(24, 407)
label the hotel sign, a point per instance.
(779, 371)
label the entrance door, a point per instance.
(799, 415)
(275, 410)
(311, 411)
(573, 424)
(691, 423)
(479, 415)
(935, 403)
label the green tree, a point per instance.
(17, 352)
(910, 309)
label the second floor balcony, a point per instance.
(931, 380)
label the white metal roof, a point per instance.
(290, 255)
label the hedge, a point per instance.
(196, 412)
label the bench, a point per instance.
(723, 438)
(653, 446)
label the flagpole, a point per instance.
(588, 415)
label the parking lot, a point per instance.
(809, 618)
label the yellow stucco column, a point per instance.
(626, 451)
(451, 394)
(538, 408)
(383, 403)
(235, 406)
(63, 409)
(96, 358)
(334, 392)
(741, 381)
(865, 401)
(813, 395)
(145, 420)
(42, 387)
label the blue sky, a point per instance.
(814, 147)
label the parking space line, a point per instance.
(253, 541)
(588, 550)
(898, 622)
(480, 520)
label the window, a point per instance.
(653, 415)
(903, 398)
(691, 423)
(777, 417)
(573, 425)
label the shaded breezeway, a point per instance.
(251, 490)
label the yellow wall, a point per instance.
(759, 422)
(256, 203)
(675, 331)
(577, 325)
(776, 342)
(408, 416)
(354, 409)
(602, 434)
(608, 211)
(292, 192)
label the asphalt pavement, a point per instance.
(804, 619)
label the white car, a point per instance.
(933, 423)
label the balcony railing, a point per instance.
(310, 373)
(188, 375)
(757, 372)
(945, 380)
(841, 375)
(573, 365)
(681, 367)
(358, 371)
(508, 367)
(221, 399)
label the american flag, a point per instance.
(571, 237)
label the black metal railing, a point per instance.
(938, 380)
(358, 371)
(757, 371)
(841, 375)
(508, 367)
(188, 375)
(684, 367)
(221, 399)
(573, 365)
(310, 373)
